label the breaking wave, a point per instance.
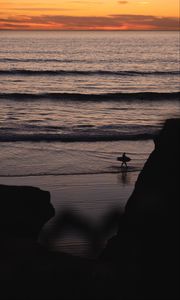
(25, 72)
(143, 96)
(115, 170)
(74, 137)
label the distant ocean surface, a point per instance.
(71, 102)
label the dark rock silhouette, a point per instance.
(148, 237)
(24, 210)
(29, 271)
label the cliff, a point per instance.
(145, 252)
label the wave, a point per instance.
(114, 170)
(25, 72)
(140, 96)
(70, 138)
(38, 60)
(78, 133)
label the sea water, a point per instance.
(72, 102)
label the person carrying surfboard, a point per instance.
(124, 159)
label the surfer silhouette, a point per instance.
(124, 159)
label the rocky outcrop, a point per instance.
(148, 239)
(152, 217)
(23, 210)
(28, 270)
(157, 187)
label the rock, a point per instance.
(146, 248)
(160, 175)
(23, 210)
(29, 270)
(152, 218)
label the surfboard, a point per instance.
(123, 159)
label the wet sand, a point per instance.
(90, 199)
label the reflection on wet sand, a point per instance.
(124, 176)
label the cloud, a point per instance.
(86, 2)
(123, 2)
(41, 9)
(111, 22)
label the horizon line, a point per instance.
(178, 30)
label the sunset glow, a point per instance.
(89, 15)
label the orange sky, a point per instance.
(89, 15)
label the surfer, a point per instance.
(124, 159)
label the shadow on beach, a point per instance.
(141, 261)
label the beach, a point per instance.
(92, 197)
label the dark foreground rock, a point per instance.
(29, 271)
(152, 214)
(146, 249)
(24, 210)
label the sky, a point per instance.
(89, 15)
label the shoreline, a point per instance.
(92, 198)
(117, 180)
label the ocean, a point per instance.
(72, 102)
